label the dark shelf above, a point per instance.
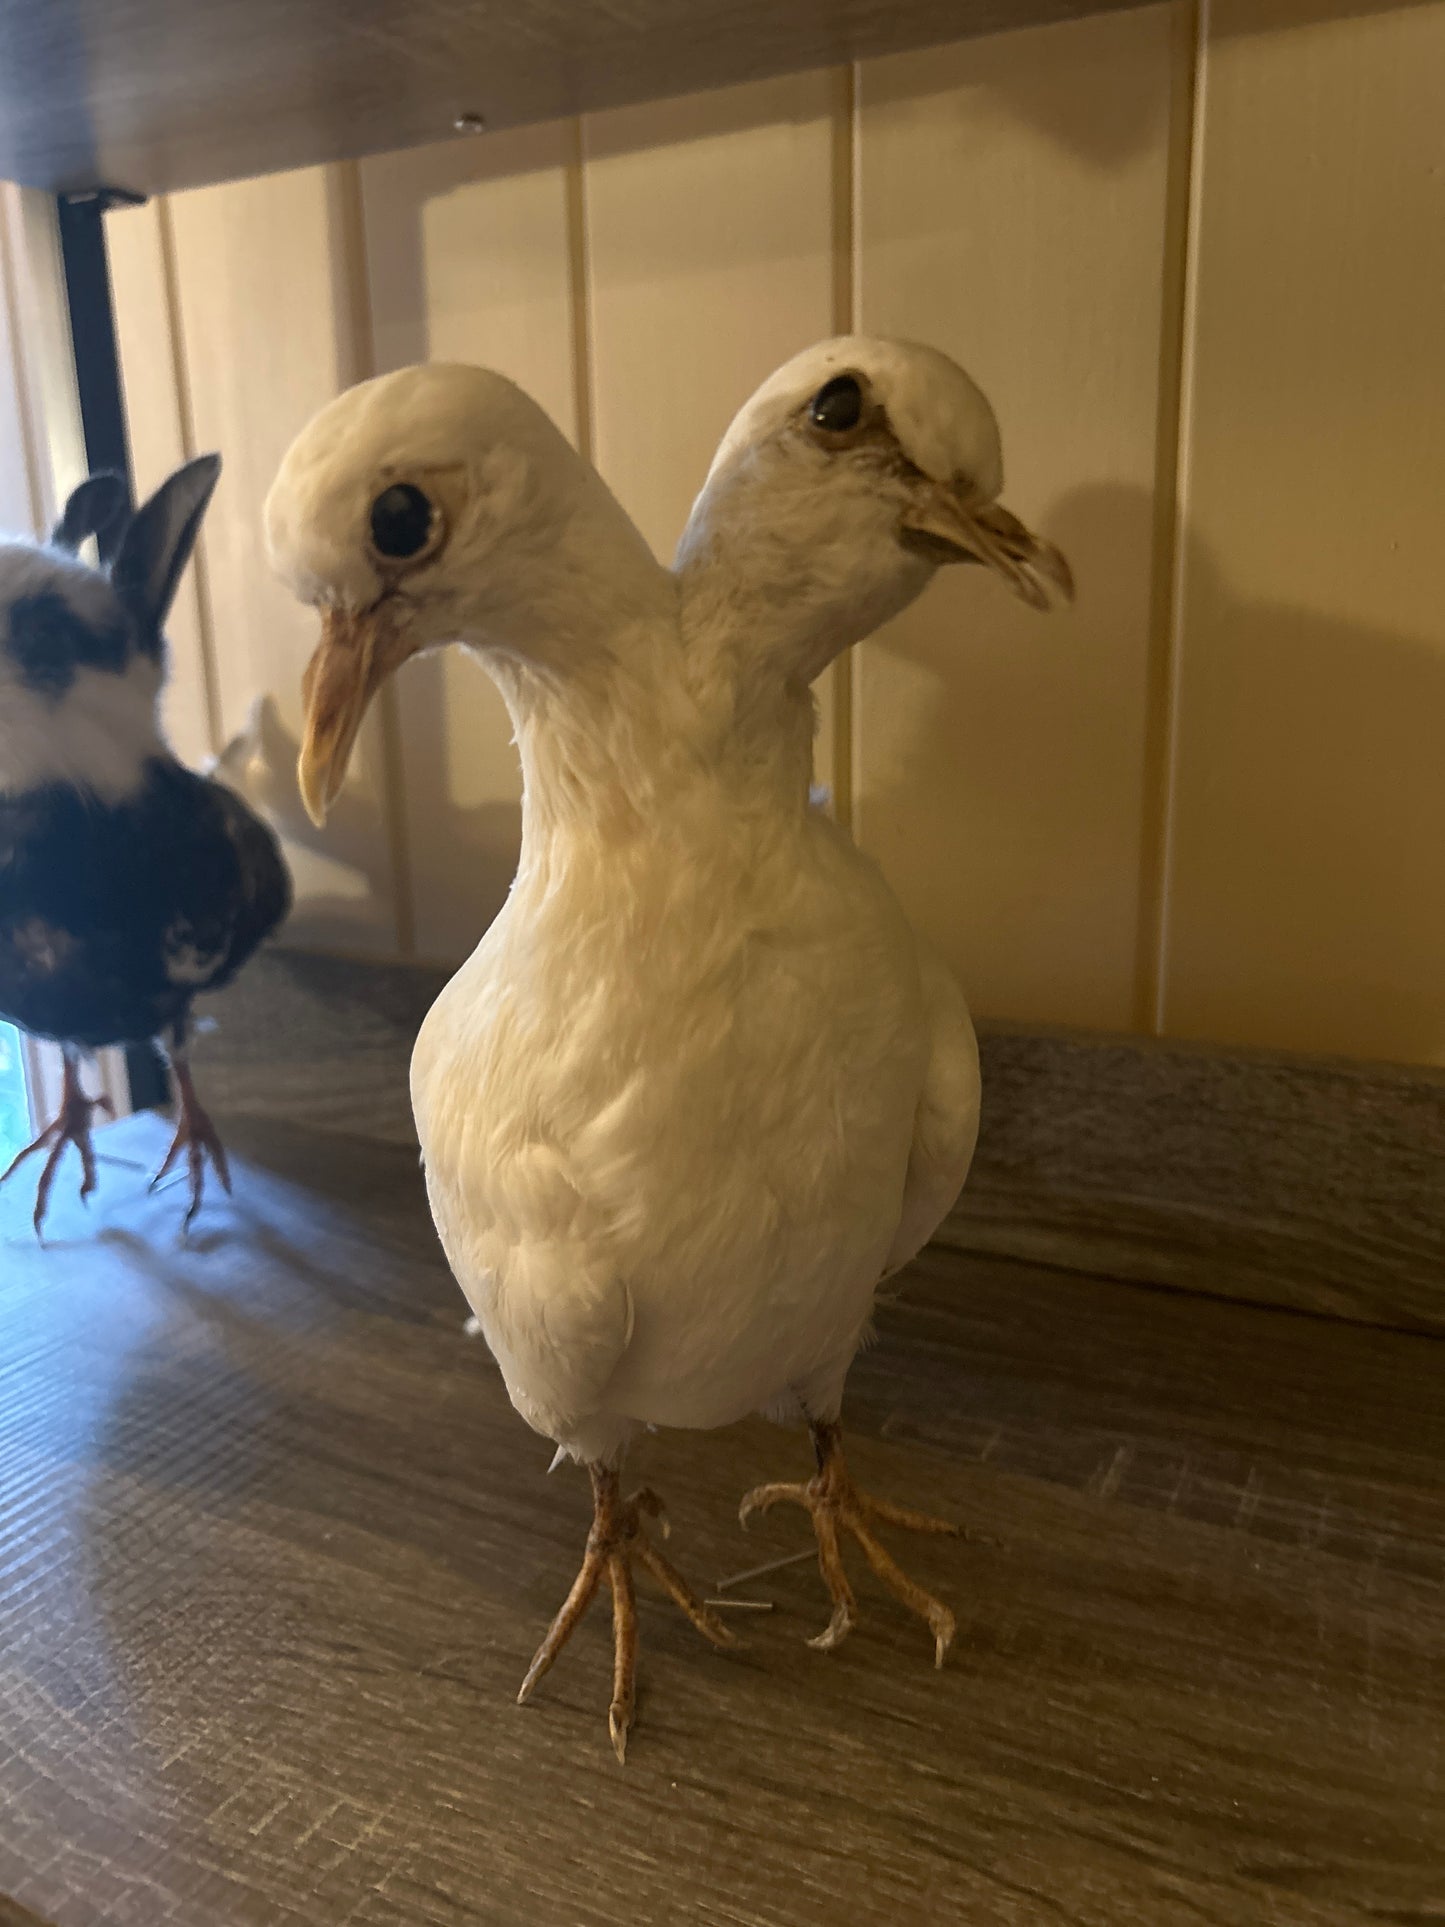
(157, 94)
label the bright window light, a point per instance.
(14, 1105)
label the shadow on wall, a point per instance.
(1015, 774)
(1049, 89)
(1304, 907)
(474, 847)
(1000, 765)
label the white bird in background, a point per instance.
(699, 1088)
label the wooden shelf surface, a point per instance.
(151, 95)
(275, 1552)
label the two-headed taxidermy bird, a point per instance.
(700, 1088)
(128, 884)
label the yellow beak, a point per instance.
(948, 526)
(354, 657)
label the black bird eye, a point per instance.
(401, 521)
(837, 405)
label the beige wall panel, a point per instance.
(19, 482)
(269, 333)
(469, 259)
(1012, 204)
(45, 367)
(1307, 883)
(136, 242)
(712, 258)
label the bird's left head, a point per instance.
(435, 504)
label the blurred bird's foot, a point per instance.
(616, 1539)
(837, 1506)
(72, 1125)
(195, 1139)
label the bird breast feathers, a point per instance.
(672, 1078)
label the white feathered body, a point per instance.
(699, 1088)
(688, 1101)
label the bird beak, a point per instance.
(354, 657)
(949, 526)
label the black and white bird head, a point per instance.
(853, 473)
(82, 652)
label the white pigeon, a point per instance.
(700, 1087)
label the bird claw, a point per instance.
(616, 1540)
(644, 1499)
(72, 1125)
(196, 1139)
(836, 1630)
(763, 1498)
(534, 1672)
(167, 1164)
(836, 1508)
(944, 1627)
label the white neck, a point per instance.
(781, 572)
(636, 748)
(602, 743)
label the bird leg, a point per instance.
(616, 1538)
(72, 1125)
(838, 1507)
(195, 1135)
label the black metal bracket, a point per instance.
(81, 218)
(86, 266)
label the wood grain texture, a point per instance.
(275, 1551)
(1304, 898)
(267, 295)
(469, 252)
(1289, 1180)
(13, 1915)
(320, 1042)
(1012, 211)
(154, 94)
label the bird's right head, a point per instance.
(81, 649)
(854, 472)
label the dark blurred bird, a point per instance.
(128, 883)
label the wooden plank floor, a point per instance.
(274, 1553)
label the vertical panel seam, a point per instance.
(845, 312)
(186, 422)
(46, 368)
(1189, 31)
(361, 364)
(579, 274)
(20, 376)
